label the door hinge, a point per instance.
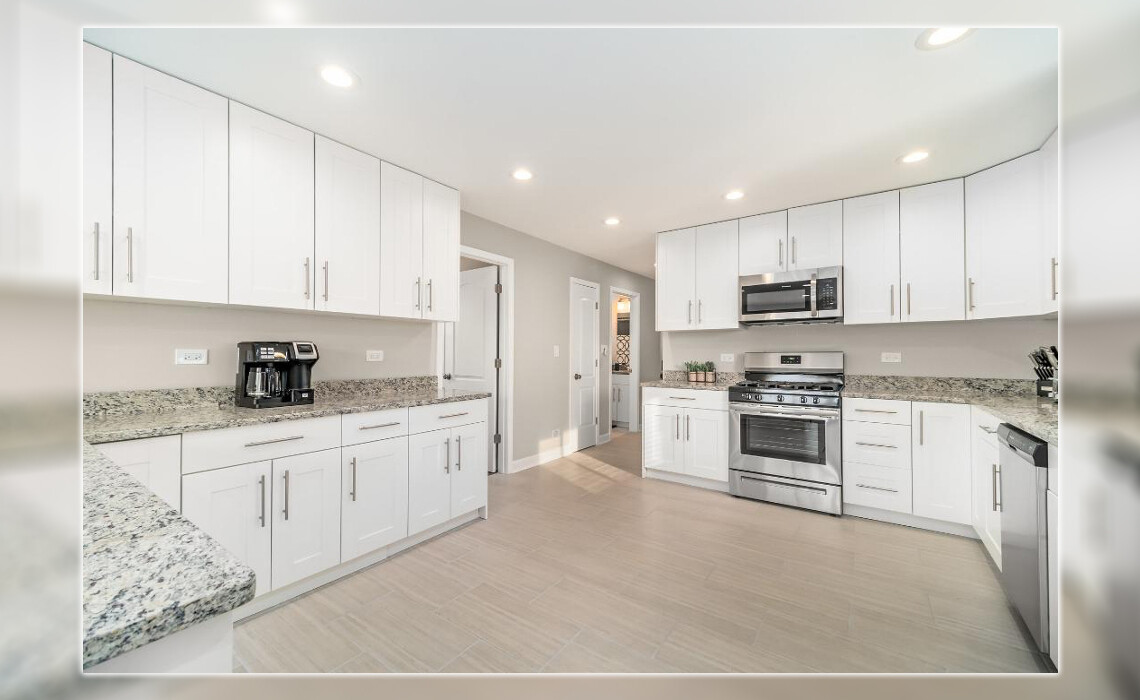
(498, 363)
(498, 438)
(595, 420)
(498, 288)
(596, 305)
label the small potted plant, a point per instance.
(710, 372)
(691, 368)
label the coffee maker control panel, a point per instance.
(304, 350)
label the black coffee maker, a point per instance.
(274, 373)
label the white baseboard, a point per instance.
(888, 516)
(686, 480)
(543, 457)
(604, 438)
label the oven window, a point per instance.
(770, 298)
(794, 439)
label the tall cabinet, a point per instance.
(693, 290)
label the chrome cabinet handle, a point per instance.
(795, 487)
(781, 251)
(989, 430)
(908, 309)
(130, 255)
(459, 452)
(682, 398)
(995, 486)
(326, 295)
(677, 425)
(353, 491)
(970, 293)
(430, 294)
(876, 488)
(877, 444)
(286, 494)
(379, 425)
(687, 433)
(1052, 275)
(453, 415)
(873, 410)
(308, 293)
(690, 311)
(275, 440)
(814, 295)
(794, 416)
(419, 294)
(261, 482)
(892, 301)
(700, 309)
(921, 427)
(96, 276)
(447, 462)
(793, 250)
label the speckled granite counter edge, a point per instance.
(699, 386)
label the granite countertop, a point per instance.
(147, 571)
(676, 384)
(193, 417)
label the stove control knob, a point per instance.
(803, 399)
(815, 399)
(779, 397)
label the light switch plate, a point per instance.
(556, 351)
(373, 355)
(191, 357)
(727, 357)
(892, 357)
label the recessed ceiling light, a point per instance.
(941, 36)
(914, 157)
(338, 76)
(522, 174)
(613, 221)
(734, 194)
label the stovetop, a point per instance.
(794, 392)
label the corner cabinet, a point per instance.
(986, 469)
(694, 292)
(940, 454)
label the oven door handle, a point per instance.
(767, 414)
(814, 297)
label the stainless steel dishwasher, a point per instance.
(1024, 537)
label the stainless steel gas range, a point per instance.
(785, 439)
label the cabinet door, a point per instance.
(706, 443)
(763, 244)
(815, 236)
(233, 505)
(941, 461)
(306, 515)
(985, 519)
(661, 439)
(1006, 267)
(469, 468)
(374, 506)
(429, 480)
(347, 229)
(717, 289)
(932, 250)
(171, 233)
(156, 462)
(271, 211)
(676, 279)
(871, 257)
(401, 242)
(1050, 231)
(96, 170)
(441, 252)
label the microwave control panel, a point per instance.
(827, 293)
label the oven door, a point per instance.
(788, 441)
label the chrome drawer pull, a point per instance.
(876, 444)
(876, 488)
(991, 431)
(794, 487)
(453, 415)
(873, 410)
(261, 518)
(379, 425)
(683, 398)
(286, 494)
(353, 491)
(275, 440)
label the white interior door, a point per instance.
(583, 365)
(470, 346)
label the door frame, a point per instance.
(568, 448)
(634, 357)
(506, 398)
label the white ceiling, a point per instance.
(649, 125)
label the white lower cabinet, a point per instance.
(877, 455)
(986, 516)
(156, 462)
(661, 446)
(469, 473)
(683, 440)
(940, 456)
(705, 437)
(447, 475)
(374, 504)
(306, 515)
(232, 505)
(874, 486)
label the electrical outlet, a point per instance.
(727, 357)
(373, 355)
(556, 351)
(555, 433)
(892, 357)
(191, 357)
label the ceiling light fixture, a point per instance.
(733, 194)
(914, 157)
(522, 174)
(613, 221)
(939, 37)
(338, 76)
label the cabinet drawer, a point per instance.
(881, 444)
(982, 419)
(877, 411)
(210, 449)
(374, 425)
(446, 415)
(877, 487)
(686, 398)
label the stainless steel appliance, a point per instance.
(1024, 538)
(274, 373)
(799, 296)
(784, 430)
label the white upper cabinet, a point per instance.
(764, 244)
(815, 236)
(271, 211)
(1050, 215)
(871, 290)
(1007, 266)
(170, 187)
(401, 242)
(932, 252)
(676, 279)
(717, 288)
(441, 252)
(940, 454)
(96, 170)
(347, 261)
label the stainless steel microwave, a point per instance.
(797, 296)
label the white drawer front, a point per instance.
(685, 398)
(881, 444)
(877, 411)
(446, 415)
(877, 487)
(374, 425)
(982, 418)
(210, 449)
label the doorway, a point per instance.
(584, 382)
(624, 366)
(476, 352)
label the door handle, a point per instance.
(419, 294)
(988, 429)
(273, 441)
(687, 433)
(922, 427)
(1052, 275)
(876, 488)
(430, 294)
(873, 410)
(353, 491)
(286, 494)
(447, 376)
(793, 250)
(577, 376)
(876, 444)
(447, 462)
(700, 310)
(308, 291)
(379, 425)
(97, 253)
(261, 483)
(996, 486)
(130, 255)
(459, 452)
(326, 280)
(970, 293)
(814, 295)
(908, 298)
(690, 311)
(453, 415)
(781, 251)
(677, 424)
(892, 301)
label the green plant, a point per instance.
(709, 366)
(691, 366)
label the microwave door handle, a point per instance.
(814, 301)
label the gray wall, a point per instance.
(993, 348)
(542, 320)
(130, 345)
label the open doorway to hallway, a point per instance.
(624, 364)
